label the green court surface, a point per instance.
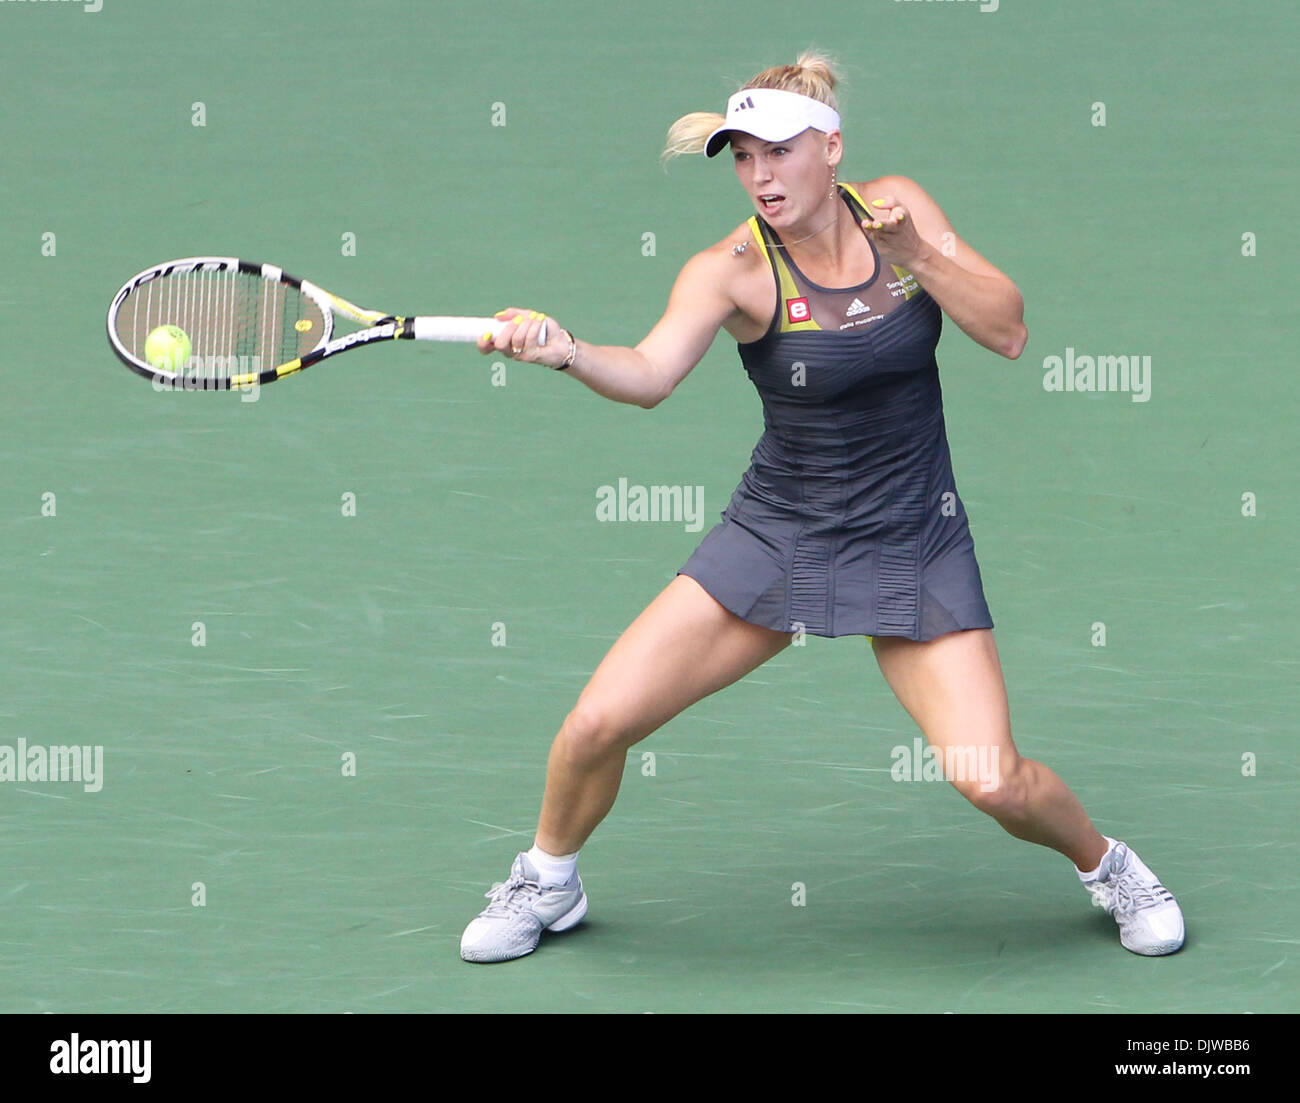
(137, 522)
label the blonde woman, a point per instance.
(848, 520)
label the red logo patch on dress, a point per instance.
(797, 310)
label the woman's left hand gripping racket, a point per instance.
(247, 324)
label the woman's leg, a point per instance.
(682, 648)
(953, 688)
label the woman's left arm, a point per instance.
(914, 233)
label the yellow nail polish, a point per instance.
(901, 217)
(488, 335)
(875, 225)
(877, 202)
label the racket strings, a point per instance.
(238, 323)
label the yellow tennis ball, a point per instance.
(167, 348)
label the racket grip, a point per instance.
(455, 329)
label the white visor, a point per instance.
(771, 115)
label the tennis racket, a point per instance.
(251, 324)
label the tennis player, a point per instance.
(847, 522)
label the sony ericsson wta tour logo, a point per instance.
(634, 502)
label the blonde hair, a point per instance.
(813, 74)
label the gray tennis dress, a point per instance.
(848, 521)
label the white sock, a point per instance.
(1092, 875)
(553, 869)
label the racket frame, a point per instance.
(379, 326)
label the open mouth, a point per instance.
(771, 203)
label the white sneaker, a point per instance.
(1150, 921)
(521, 908)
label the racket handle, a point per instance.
(455, 329)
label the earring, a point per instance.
(831, 194)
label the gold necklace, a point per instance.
(831, 223)
(736, 250)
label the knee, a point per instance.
(592, 731)
(1001, 793)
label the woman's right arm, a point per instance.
(647, 374)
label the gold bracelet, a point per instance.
(573, 352)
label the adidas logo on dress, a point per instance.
(856, 307)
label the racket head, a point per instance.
(244, 320)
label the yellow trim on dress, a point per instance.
(787, 288)
(758, 236)
(853, 192)
(910, 286)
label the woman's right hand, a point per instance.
(520, 338)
